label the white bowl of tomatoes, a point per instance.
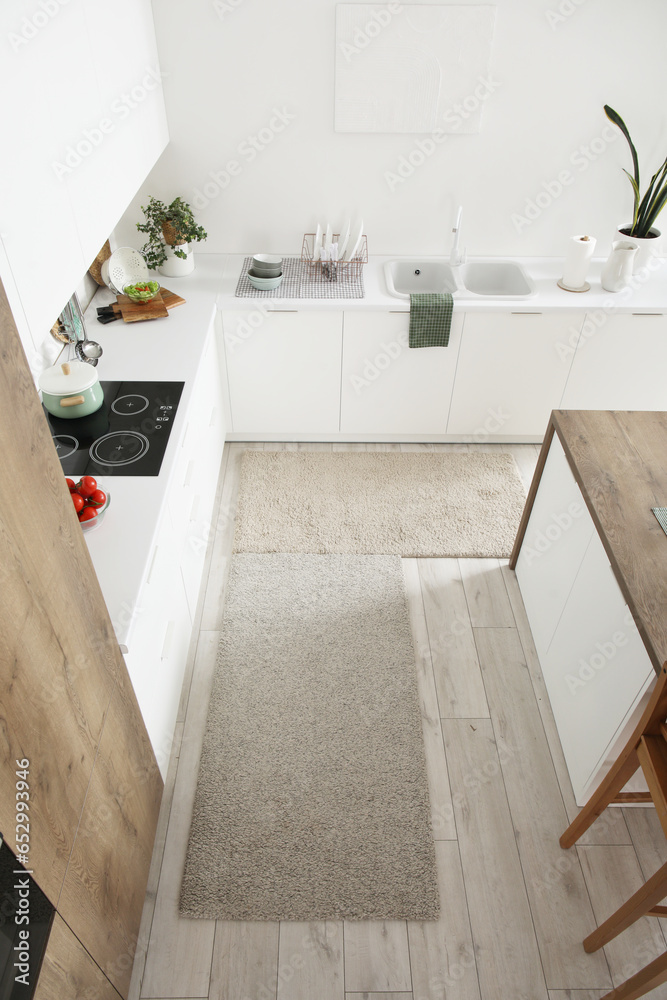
(90, 501)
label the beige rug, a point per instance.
(451, 504)
(312, 798)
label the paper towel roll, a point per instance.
(577, 260)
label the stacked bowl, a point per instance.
(266, 272)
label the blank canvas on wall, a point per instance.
(405, 67)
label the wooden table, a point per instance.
(619, 461)
(587, 546)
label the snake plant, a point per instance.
(648, 207)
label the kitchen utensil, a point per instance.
(266, 271)
(133, 312)
(264, 284)
(343, 239)
(71, 390)
(318, 243)
(107, 314)
(617, 272)
(104, 273)
(264, 260)
(88, 345)
(356, 242)
(126, 267)
(85, 349)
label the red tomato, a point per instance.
(78, 502)
(87, 514)
(97, 499)
(86, 486)
(71, 485)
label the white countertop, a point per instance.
(649, 295)
(167, 349)
(171, 349)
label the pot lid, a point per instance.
(68, 379)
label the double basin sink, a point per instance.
(476, 279)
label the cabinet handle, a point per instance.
(282, 310)
(150, 571)
(168, 637)
(526, 314)
(188, 472)
(400, 312)
(648, 314)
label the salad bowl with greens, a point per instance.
(142, 291)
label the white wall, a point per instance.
(83, 122)
(230, 63)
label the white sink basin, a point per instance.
(407, 276)
(496, 278)
(476, 279)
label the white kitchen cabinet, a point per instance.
(511, 374)
(159, 638)
(389, 388)
(553, 547)
(595, 665)
(87, 134)
(283, 370)
(596, 670)
(192, 494)
(619, 364)
(159, 642)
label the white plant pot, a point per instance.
(649, 246)
(176, 267)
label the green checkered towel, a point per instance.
(430, 319)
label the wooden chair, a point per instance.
(646, 748)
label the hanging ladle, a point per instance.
(85, 349)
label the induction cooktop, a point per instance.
(127, 436)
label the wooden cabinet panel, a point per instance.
(68, 971)
(511, 373)
(103, 892)
(387, 388)
(58, 652)
(619, 364)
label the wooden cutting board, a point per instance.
(133, 312)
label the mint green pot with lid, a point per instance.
(71, 390)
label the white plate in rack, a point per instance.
(356, 242)
(343, 239)
(317, 245)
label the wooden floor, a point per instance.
(515, 906)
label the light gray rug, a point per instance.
(451, 504)
(312, 799)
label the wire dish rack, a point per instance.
(349, 270)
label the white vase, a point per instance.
(617, 272)
(176, 267)
(648, 246)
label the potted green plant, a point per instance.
(648, 206)
(170, 230)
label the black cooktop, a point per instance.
(127, 436)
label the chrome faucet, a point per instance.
(457, 257)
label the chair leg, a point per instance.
(611, 785)
(639, 904)
(652, 975)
